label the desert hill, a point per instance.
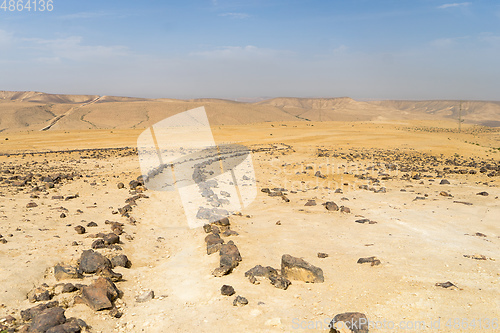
(35, 111)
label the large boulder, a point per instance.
(47, 319)
(298, 269)
(100, 294)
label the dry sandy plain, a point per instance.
(421, 237)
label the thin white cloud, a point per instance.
(235, 15)
(455, 4)
(5, 37)
(83, 15)
(238, 52)
(72, 48)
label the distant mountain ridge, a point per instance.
(29, 110)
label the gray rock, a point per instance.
(227, 290)
(240, 301)
(354, 321)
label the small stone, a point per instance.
(344, 209)
(207, 228)
(446, 284)
(62, 272)
(280, 282)
(310, 203)
(322, 255)
(108, 273)
(298, 269)
(221, 271)
(145, 296)
(115, 313)
(350, 321)
(121, 260)
(80, 229)
(120, 186)
(331, 206)
(91, 224)
(372, 260)
(98, 244)
(39, 294)
(63, 215)
(484, 194)
(444, 182)
(240, 301)
(227, 290)
(31, 205)
(111, 238)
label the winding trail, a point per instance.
(56, 119)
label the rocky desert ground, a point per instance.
(386, 225)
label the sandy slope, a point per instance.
(33, 111)
(420, 242)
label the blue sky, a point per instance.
(364, 49)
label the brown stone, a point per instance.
(298, 269)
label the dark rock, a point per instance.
(280, 282)
(80, 229)
(68, 327)
(446, 284)
(98, 244)
(214, 243)
(39, 294)
(223, 222)
(484, 194)
(31, 313)
(91, 224)
(63, 215)
(68, 288)
(372, 260)
(444, 182)
(62, 272)
(362, 221)
(322, 255)
(261, 271)
(227, 290)
(115, 313)
(108, 273)
(207, 228)
(331, 206)
(31, 205)
(121, 260)
(120, 186)
(298, 269)
(354, 321)
(344, 209)
(100, 294)
(240, 301)
(221, 271)
(310, 203)
(463, 203)
(90, 261)
(111, 238)
(230, 232)
(47, 319)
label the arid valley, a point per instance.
(383, 210)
